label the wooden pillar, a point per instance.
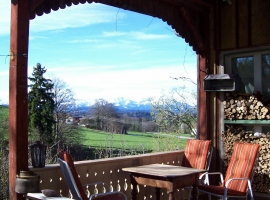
(202, 101)
(18, 107)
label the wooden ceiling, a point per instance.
(189, 18)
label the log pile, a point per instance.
(261, 181)
(245, 107)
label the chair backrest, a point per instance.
(241, 165)
(65, 156)
(196, 153)
(70, 180)
(209, 158)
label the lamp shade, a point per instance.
(38, 154)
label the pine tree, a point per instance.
(41, 105)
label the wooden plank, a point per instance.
(247, 122)
(227, 26)
(260, 22)
(194, 31)
(243, 33)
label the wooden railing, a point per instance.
(109, 171)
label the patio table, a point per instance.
(170, 177)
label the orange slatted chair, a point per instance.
(74, 183)
(198, 154)
(239, 174)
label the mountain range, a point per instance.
(122, 104)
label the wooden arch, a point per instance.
(189, 18)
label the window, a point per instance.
(253, 68)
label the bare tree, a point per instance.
(175, 112)
(66, 134)
(103, 111)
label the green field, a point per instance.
(99, 139)
(133, 140)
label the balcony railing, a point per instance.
(109, 171)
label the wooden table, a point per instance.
(170, 177)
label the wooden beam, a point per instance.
(18, 106)
(194, 31)
(203, 101)
(35, 4)
(198, 5)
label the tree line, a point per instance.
(105, 116)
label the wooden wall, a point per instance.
(243, 24)
(240, 25)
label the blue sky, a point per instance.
(102, 52)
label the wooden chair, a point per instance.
(239, 174)
(74, 183)
(198, 154)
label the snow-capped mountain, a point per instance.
(121, 103)
(126, 104)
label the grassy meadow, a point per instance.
(132, 140)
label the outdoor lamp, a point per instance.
(38, 154)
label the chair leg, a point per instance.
(251, 196)
(181, 193)
(209, 196)
(250, 190)
(189, 192)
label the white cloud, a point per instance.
(72, 17)
(113, 34)
(83, 41)
(146, 36)
(136, 84)
(136, 35)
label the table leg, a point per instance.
(157, 193)
(134, 191)
(194, 192)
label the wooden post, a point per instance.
(18, 106)
(203, 101)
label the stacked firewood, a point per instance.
(261, 181)
(239, 106)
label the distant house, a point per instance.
(74, 119)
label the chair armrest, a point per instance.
(204, 178)
(106, 194)
(232, 179)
